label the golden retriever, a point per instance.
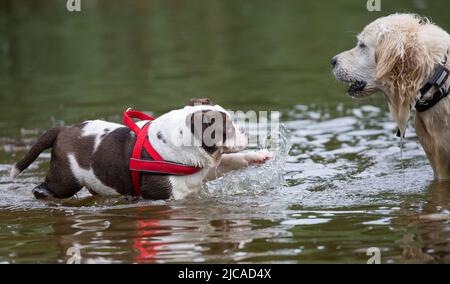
(397, 55)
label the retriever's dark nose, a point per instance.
(333, 61)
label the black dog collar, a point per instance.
(438, 79)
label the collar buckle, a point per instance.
(437, 80)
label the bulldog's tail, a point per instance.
(44, 142)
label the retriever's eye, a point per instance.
(361, 45)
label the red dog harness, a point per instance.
(157, 165)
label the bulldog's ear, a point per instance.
(211, 127)
(200, 101)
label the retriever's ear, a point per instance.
(390, 49)
(401, 67)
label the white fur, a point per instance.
(236, 161)
(88, 179)
(97, 128)
(14, 172)
(183, 186)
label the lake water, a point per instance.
(338, 185)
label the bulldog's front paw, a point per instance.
(257, 158)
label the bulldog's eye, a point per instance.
(361, 45)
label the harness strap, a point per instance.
(161, 167)
(129, 113)
(157, 165)
(140, 139)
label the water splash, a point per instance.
(256, 179)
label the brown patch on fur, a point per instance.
(60, 181)
(82, 147)
(44, 142)
(110, 160)
(111, 165)
(203, 125)
(200, 101)
(155, 187)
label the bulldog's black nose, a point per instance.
(333, 61)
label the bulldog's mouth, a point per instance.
(356, 87)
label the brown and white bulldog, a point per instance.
(95, 154)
